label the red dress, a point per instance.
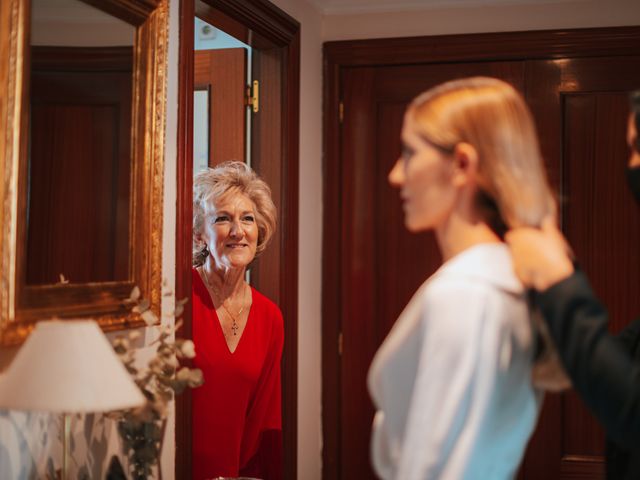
(236, 425)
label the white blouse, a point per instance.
(451, 382)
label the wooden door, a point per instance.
(376, 265)
(79, 165)
(581, 107)
(223, 74)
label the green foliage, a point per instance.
(142, 429)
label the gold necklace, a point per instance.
(234, 327)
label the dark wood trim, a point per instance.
(585, 42)
(184, 221)
(331, 277)
(93, 59)
(340, 55)
(270, 29)
(224, 22)
(289, 277)
(262, 17)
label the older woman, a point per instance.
(238, 333)
(452, 381)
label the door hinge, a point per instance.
(253, 96)
(340, 344)
(341, 111)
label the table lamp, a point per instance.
(68, 367)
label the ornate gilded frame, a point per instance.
(21, 305)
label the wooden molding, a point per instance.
(485, 46)
(184, 221)
(261, 17)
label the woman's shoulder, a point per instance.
(265, 304)
(469, 300)
(483, 267)
(450, 287)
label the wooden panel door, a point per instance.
(223, 73)
(579, 105)
(79, 165)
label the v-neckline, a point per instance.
(217, 318)
(244, 330)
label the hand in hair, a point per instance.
(541, 257)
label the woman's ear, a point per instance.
(197, 239)
(465, 159)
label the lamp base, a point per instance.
(66, 437)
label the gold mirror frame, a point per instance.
(21, 305)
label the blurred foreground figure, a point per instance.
(452, 380)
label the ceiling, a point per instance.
(370, 6)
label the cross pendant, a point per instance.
(234, 327)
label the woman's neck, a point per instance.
(226, 283)
(463, 229)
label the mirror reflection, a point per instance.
(78, 208)
(238, 332)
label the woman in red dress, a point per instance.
(238, 332)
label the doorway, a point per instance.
(274, 39)
(223, 93)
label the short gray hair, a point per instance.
(212, 184)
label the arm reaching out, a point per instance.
(541, 257)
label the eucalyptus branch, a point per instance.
(142, 428)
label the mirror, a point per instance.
(79, 152)
(82, 159)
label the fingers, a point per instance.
(550, 228)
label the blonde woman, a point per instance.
(452, 380)
(238, 332)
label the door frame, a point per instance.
(269, 30)
(341, 55)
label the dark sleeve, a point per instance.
(629, 338)
(603, 372)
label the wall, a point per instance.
(500, 17)
(310, 238)
(72, 23)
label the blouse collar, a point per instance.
(490, 262)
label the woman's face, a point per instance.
(424, 175)
(231, 232)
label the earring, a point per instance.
(200, 255)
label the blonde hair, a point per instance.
(492, 116)
(213, 184)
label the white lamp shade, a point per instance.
(68, 367)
